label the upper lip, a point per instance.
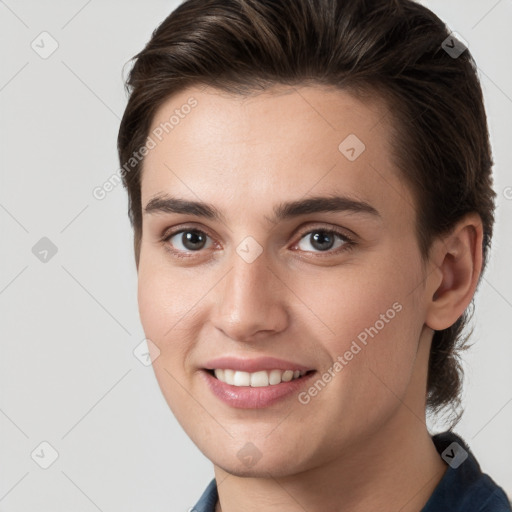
(253, 365)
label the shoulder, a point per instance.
(485, 495)
(464, 487)
(496, 502)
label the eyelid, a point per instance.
(348, 235)
(344, 232)
(350, 240)
(174, 230)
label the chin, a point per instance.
(249, 462)
(260, 470)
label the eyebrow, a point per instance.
(283, 211)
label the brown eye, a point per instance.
(189, 240)
(322, 240)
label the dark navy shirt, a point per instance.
(463, 488)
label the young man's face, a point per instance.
(268, 278)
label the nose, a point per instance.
(250, 301)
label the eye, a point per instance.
(188, 240)
(323, 240)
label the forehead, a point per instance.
(285, 142)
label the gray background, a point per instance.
(68, 375)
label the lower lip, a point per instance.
(247, 397)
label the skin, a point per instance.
(361, 443)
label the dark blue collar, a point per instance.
(208, 500)
(463, 488)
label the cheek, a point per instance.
(154, 303)
(165, 297)
(165, 312)
(368, 317)
(347, 301)
(375, 355)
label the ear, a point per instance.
(457, 262)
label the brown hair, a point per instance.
(391, 48)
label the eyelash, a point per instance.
(349, 243)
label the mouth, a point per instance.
(257, 379)
(255, 383)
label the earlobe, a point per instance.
(458, 258)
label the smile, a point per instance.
(260, 378)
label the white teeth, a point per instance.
(274, 377)
(261, 378)
(242, 379)
(229, 376)
(287, 376)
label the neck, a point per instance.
(394, 469)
